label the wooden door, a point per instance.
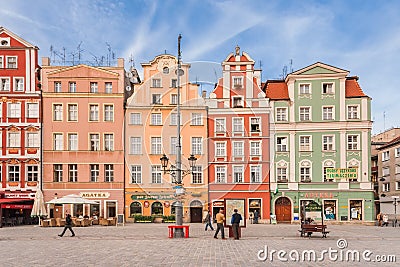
(196, 215)
(283, 210)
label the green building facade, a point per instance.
(322, 126)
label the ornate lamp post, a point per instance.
(176, 170)
(395, 198)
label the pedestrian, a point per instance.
(255, 216)
(235, 221)
(68, 225)
(385, 219)
(208, 222)
(379, 217)
(220, 224)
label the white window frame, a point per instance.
(32, 139)
(73, 173)
(5, 84)
(220, 149)
(57, 87)
(9, 62)
(109, 142)
(397, 185)
(237, 102)
(304, 88)
(108, 112)
(156, 119)
(94, 141)
(397, 152)
(385, 155)
(156, 99)
(352, 112)
(14, 173)
(238, 125)
(72, 112)
(93, 112)
(220, 125)
(18, 86)
(108, 173)
(1, 62)
(14, 139)
(255, 174)
(238, 173)
(197, 119)
(156, 83)
(174, 99)
(94, 172)
(136, 174)
(14, 110)
(305, 143)
(305, 174)
(173, 144)
(328, 145)
(385, 187)
(328, 113)
(72, 141)
(156, 145)
(326, 90)
(281, 114)
(237, 148)
(136, 118)
(304, 113)
(71, 87)
(32, 110)
(108, 87)
(351, 144)
(94, 87)
(197, 145)
(156, 174)
(58, 141)
(174, 83)
(255, 124)
(237, 82)
(197, 175)
(32, 173)
(281, 174)
(255, 148)
(283, 146)
(135, 147)
(220, 174)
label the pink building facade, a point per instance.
(83, 149)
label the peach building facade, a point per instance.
(83, 151)
(151, 131)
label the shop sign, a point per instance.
(95, 194)
(218, 204)
(16, 206)
(166, 204)
(19, 195)
(146, 204)
(337, 173)
(319, 195)
(152, 197)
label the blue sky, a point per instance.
(360, 36)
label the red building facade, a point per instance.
(239, 138)
(20, 125)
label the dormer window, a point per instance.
(165, 70)
(5, 41)
(237, 102)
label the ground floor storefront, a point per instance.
(323, 206)
(16, 208)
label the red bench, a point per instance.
(172, 227)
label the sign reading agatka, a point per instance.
(338, 173)
(318, 195)
(95, 194)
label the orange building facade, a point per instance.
(239, 138)
(83, 152)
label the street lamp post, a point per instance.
(395, 210)
(176, 171)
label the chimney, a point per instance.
(45, 61)
(120, 62)
(204, 94)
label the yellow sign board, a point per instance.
(337, 173)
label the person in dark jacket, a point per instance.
(68, 225)
(235, 221)
(207, 220)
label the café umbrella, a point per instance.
(72, 199)
(39, 208)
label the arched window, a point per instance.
(305, 171)
(354, 164)
(326, 165)
(156, 208)
(165, 70)
(136, 208)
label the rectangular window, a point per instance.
(94, 142)
(255, 148)
(255, 174)
(385, 156)
(305, 143)
(197, 119)
(238, 126)
(109, 142)
(94, 87)
(220, 174)
(255, 124)
(108, 87)
(397, 185)
(281, 174)
(174, 83)
(238, 174)
(32, 139)
(327, 113)
(57, 87)
(136, 174)
(397, 152)
(14, 110)
(197, 175)
(304, 89)
(237, 82)
(173, 148)
(238, 150)
(156, 146)
(174, 99)
(327, 142)
(281, 144)
(156, 83)
(352, 112)
(220, 125)
(94, 172)
(156, 99)
(305, 114)
(156, 119)
(156, 174)
(136, 145)
(57, 112)
(386, 187)
(72, 87)
(58, 141)
(237, 102)
(19, 84)
(73, 141)
(197, 145)
(14, 139)
(108, 173)
(94, 112)
(32, 173)
(72, 112)
(57, 173)
(32, 110)
(108, 113)
(305, 174)
(281, 114)
(5, 84)
(13, 173)
(352, 142)
(1, 62)
(385, 171)
(73, 173)
(327, 88)
(136, 118)
(11, 62)
(220, 149)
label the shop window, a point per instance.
(95, 210)
(111, 209)
(330, 209)
(136, 208)
(156, 208)
(356, 210)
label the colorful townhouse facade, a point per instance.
(239, 138)
(83, 148)
(20, 168)
(151, 131)
(322, 125)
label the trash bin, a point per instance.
(231, 231)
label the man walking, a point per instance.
(68, 225)
(235, 221)
(220, 224)
(207, 220)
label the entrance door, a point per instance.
(283, 210)
(195, 215)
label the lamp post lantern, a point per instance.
(176, 170)
(395, 198)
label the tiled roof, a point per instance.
(353, 89)
(276, 90)
(388, 144)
